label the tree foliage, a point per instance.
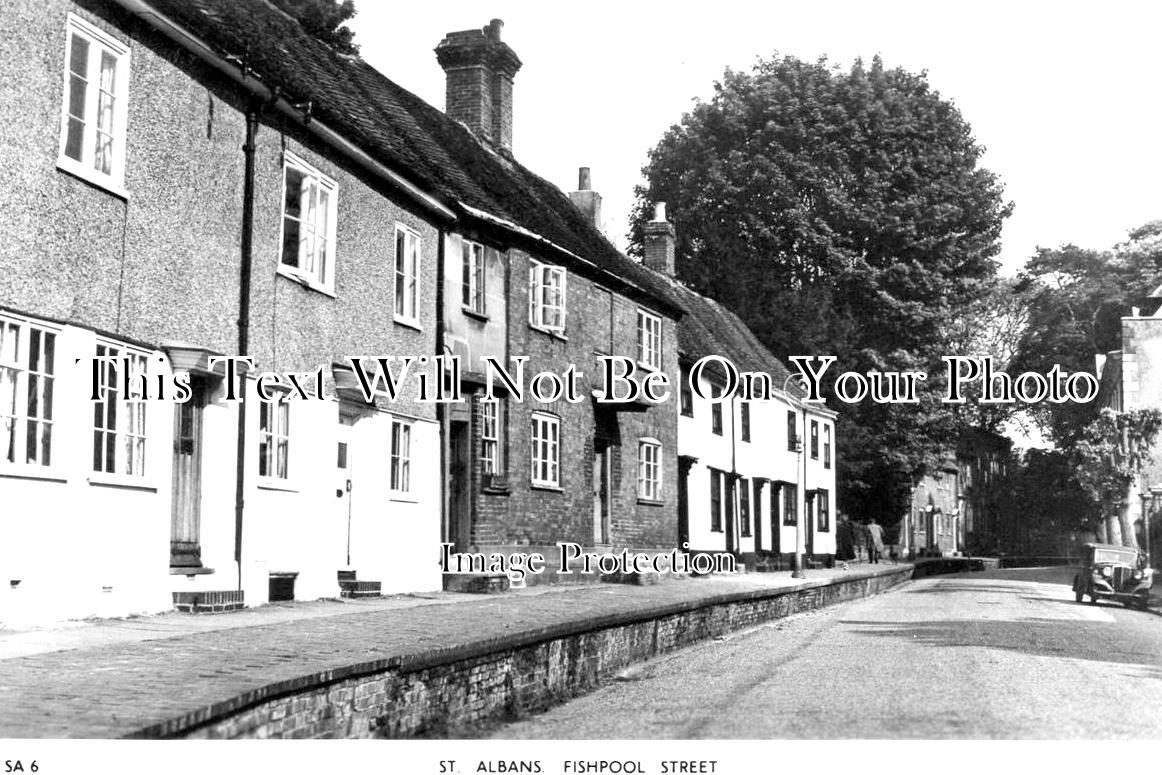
(325, 20)
(1077, 298)
(1108, 455)
(839, 212)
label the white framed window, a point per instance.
(546, 450)
(94, 109)
(547, 297)
(407, 274)
(274, 439)
(472, 295)
(27, 379)
(119, 420)
(649, 469)
(401, 456)
(309, 205)
(490, 446)
(649, 339)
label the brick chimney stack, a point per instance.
(480, 68)
(659, 242)
(586, 199)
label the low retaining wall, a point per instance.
(437, 692)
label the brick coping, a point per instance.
(440, 656)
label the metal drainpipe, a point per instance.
(248, 149)
(441, 409)
(734, 479)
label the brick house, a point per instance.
(531, 275)
(756, 477)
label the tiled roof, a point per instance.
(399, 129)
(708, 328)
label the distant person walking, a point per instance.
(875, 541)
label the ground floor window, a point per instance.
(715, 501)
(401, 456)
(273, 439)
(649, 470)
(824, 510)
(119, 420)
(790, 504)
(491, 422)
(546, 450)
(744, 506)
(27, 377)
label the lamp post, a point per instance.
(797, 572)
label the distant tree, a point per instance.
(840, 212)
(1044, 505)
(325, 20)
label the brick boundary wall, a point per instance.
(437, 692)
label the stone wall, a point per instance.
(443, 692)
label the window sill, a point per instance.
(472, 313)
(650, 502)
(92, 177)
(43, 474)
(121, 481)
(408, 322)
(402, 497)
(269, 483)
(546, 487)
(304, 281)
(549, 332)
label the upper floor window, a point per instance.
(473, 282)
(119, 420)
(744, 420)
(308, 224)
(814, 439)
(649, 470)
(273, 438)
(547, 297)
(649, 339)
(401, 456)
(827, 446)
(407, 271)
(93, 115)
(546, 450)
(27, 377)
(792, 433)
(716, 418)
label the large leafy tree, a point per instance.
(839, 212)
(325, 20)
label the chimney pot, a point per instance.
(583, 180)
(660, 212)
(493, 30)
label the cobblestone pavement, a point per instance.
(110, 678)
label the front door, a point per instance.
(186, 511)
(809, 524)
(343, 485)
(459, 484)
(601, 492)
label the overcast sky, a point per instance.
(1065, 96)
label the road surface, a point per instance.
(999, 654)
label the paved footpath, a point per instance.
(110, 678)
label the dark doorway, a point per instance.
(459, 486)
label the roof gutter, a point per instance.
(271, 97)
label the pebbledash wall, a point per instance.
(441, 692)
(155, 262)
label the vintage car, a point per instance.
(1112, 572)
